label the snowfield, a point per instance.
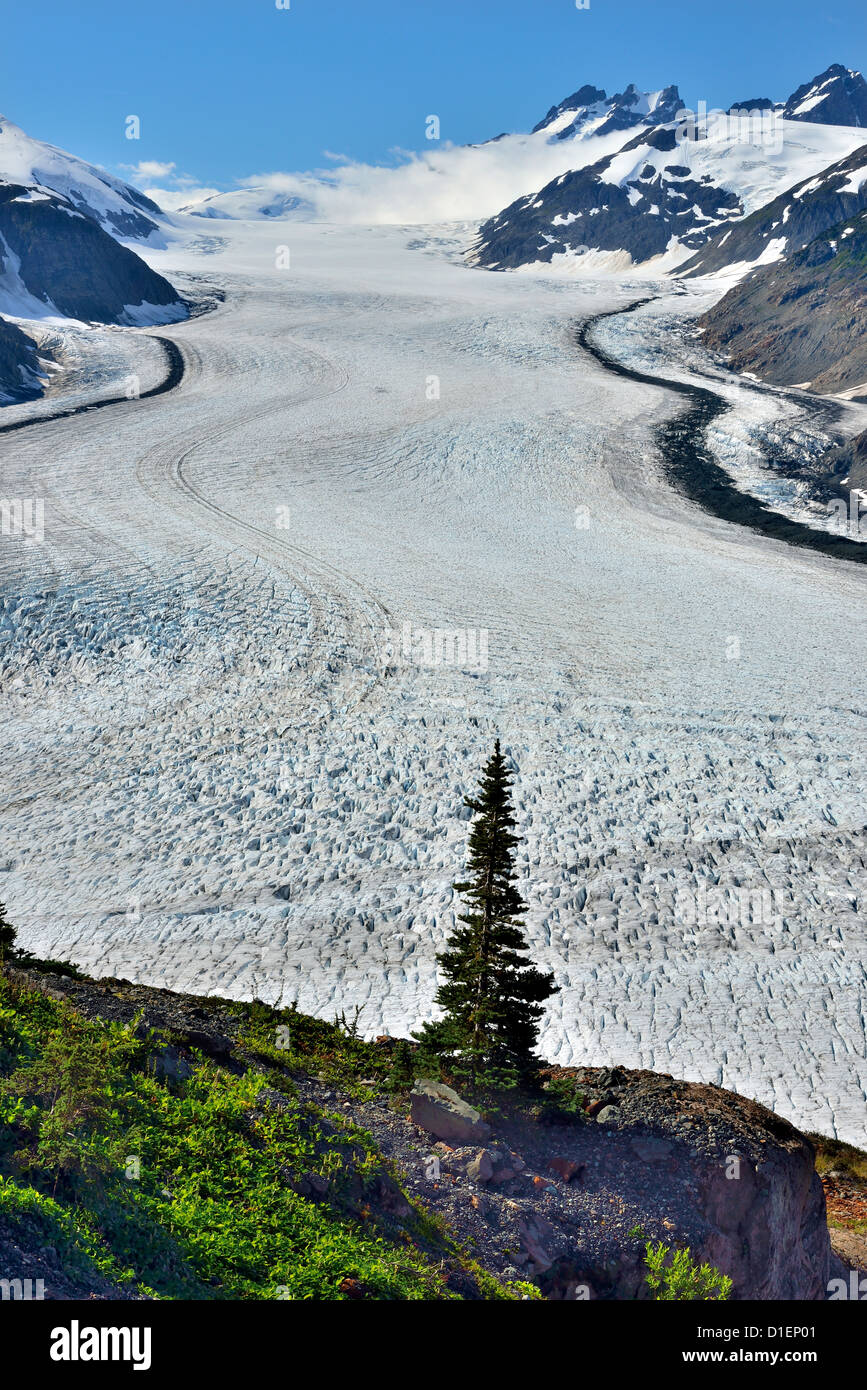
(233, 764)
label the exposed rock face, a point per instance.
(440, 1111)
(846, 466)
(759, 1206)
(685, 1164)
(19, 365)
(838, 96)
(802, 321)
(55, 260)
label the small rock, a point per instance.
(440, 1110)
(312, 1185)
(607, 1116)
(168, 1065)
(652, 1150)
(567, 1168)
(481, 1169)
(534, 1232)
(543, 1184)
(351, 1288)
(212, 1044)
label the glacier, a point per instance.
(218, 779)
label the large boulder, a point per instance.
(440, 1110)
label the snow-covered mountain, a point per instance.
(247, 203)
(122, 211)
(636, 204)
(679, 181)
(838, 96)
(61, 257)
(590, 112)
(663, 193)
(789, 222)
(57, 262)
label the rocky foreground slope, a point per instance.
(552, 1197)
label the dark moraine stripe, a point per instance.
(691, 468)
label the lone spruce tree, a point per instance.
(492, 995)
(7, 935)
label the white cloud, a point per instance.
(448, 183)
(177, 192)
(451, 183)
(170, 199)
(149, 169)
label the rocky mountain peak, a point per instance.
(837, 96)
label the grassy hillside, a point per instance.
(147, 1182)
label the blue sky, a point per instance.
(228, 88)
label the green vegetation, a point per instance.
(673, 1276)
(492, 996)
(195, 1188)
(847, 1194)
(833, 1155)
(563, 1101)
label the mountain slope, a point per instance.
(804, 320)
(676, 183)
(276, 1159)
(245, 203)
(791, 220)
(55, 261)
(119, 209)
(633, 202)
(663, 192)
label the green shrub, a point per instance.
(674, 1276)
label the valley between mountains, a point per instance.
(221, 775)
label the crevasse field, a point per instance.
(231, 765)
